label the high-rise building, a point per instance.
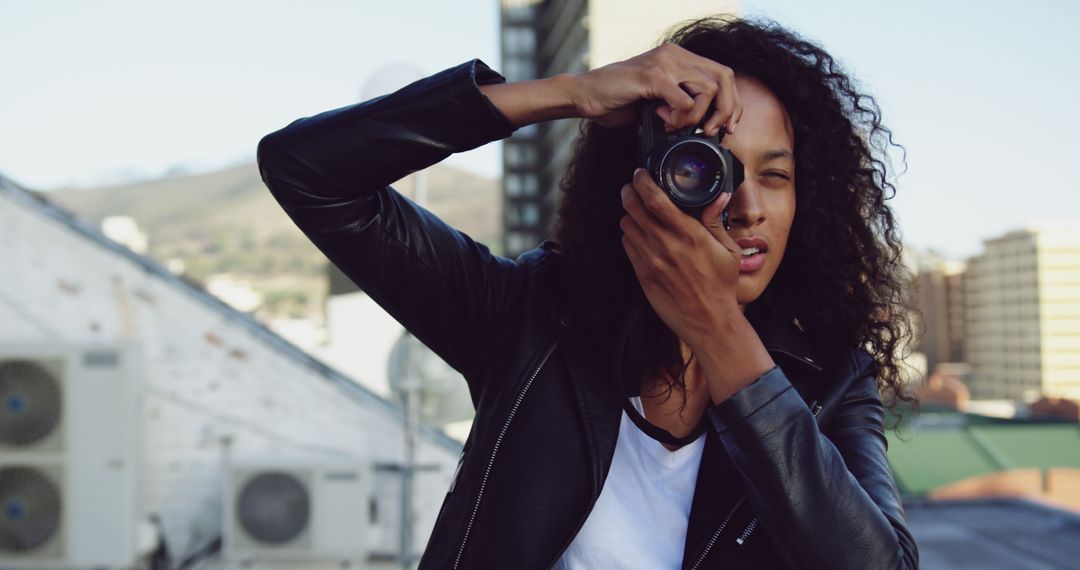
(1022, 305)
(938, 299)
(542, 38)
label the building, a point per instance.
(938, 297)
(545, 38)
(151, 394)
(1022, 315)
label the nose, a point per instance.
(747, 208)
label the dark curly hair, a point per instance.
(842, 274)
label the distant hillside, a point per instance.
(227, 221)
(234, 198)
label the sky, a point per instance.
(982, 95)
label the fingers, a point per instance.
(634, 239)
(712, 215)
(639, 223)
(693, 85)
(664, 112)
(645, 239)
(656, 234)
(711, 218)
(728, 105)
(668, 90)
(652, 209)
(633, 254)
(704, 92)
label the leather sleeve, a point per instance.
(828, 501)
(331, 173)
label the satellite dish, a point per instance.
(444, 395)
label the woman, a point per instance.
(651, 390)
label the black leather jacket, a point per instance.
(794, 474)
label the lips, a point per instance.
(754, 252)
(752, 242)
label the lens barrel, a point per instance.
(692, 171)
(690, 167)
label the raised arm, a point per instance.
(330, 173)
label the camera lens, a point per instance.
(689, 174)
(693, 169)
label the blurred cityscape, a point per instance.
(187, 383)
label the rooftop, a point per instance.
(994, 534)
(945, 447)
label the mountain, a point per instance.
(235, 199)
(227, 222)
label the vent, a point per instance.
(31, 509)
(101, 358)
(30, 404)
(274, 508)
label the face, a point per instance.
(763, 207)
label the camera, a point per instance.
(690, 167)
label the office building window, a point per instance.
(530, 185)
(517, 242)
(513, 184)
(530, 214)
(520, 155)
(519, 41)
(517, 69)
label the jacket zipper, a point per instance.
(495, 450)
(746, 531)
(815, 408)
(716, 533)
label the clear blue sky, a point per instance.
(982, 94)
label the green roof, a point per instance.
(932, 458)
(1042, 446)
(937, 449)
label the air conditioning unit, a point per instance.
(68, 463)
(297, 512)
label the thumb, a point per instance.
(665, 114)
(713, 220)
(712, 216)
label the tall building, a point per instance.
(939, 299)
(1023, 315)
(548, 37)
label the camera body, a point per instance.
(690, 167)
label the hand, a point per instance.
(689, 270)
(689, 84)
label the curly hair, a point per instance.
(842, 274)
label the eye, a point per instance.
(778, 175)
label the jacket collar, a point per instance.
(786, 336)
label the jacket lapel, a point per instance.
(718, 487)
(601, 409)
(715, 492)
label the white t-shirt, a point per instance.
(640, 518)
